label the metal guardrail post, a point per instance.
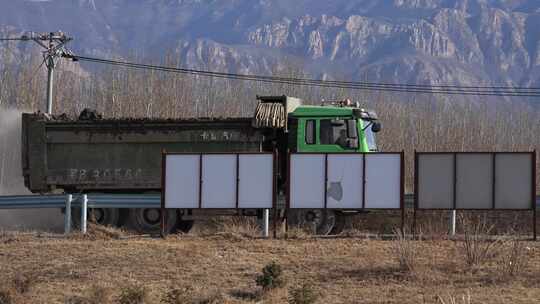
(84, 214)
(452, 231)
(67, 214)
(266, 216)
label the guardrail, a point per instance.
(94, 201)
(113, 201)
(109, 201)
(80, 201)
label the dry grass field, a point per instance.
(109, 266)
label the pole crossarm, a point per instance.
(53, 44)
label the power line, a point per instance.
(509, 91)
(405, 88)
(296, 81)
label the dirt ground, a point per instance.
(223, 268)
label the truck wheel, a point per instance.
(101, 216)
(147, 220)
(184, 226)
(323, 220)
(341, 222)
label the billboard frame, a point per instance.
(164, 154)
(494, 154)
(363, 203)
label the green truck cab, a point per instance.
(337, 126)
(335, 129)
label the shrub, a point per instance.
(98, 295)
(514, 259)
(76, 300)
(187, 295)
(475, 247)
(94, 295)
(243, 226)
(135, 294)
(23, 283)
(405, 251)
(298, 233)
(450, 299)
(434, 227)
(302, 295)
(271, 277)
(6, 296)
(175, 296)
(214, 298)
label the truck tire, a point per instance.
(101, 216)
(323, 220)
(340, 224)
(183, 225)
(147, 220)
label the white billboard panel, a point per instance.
(435, 189)
(182, 181)
(255, 181)
(345, 181)
(307, 181)
(474, 181)
(513, 181)
(219, 181)
(383, 181)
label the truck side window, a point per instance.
(333, 132)
(310, 132)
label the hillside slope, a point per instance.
(405, 41)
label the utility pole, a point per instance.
(54, 45)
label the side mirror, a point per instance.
(352, 132)
(376, 127)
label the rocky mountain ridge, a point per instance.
(467, 42)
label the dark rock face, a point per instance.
(406, 41)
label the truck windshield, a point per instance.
(370, 138)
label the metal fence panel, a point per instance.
(435, 181)
(182, 183)
(307, 180)
(513, 181)
(474, 182)
(345, 186)
(256, 181)
(219, 181)
(383, 181)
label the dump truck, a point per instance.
(123, 156)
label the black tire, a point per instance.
(340, 224)
(323, 220)
(147, 220)
(100, 216)
(184, 226)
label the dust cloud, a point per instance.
(12, 183)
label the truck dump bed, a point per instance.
(120, 155)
